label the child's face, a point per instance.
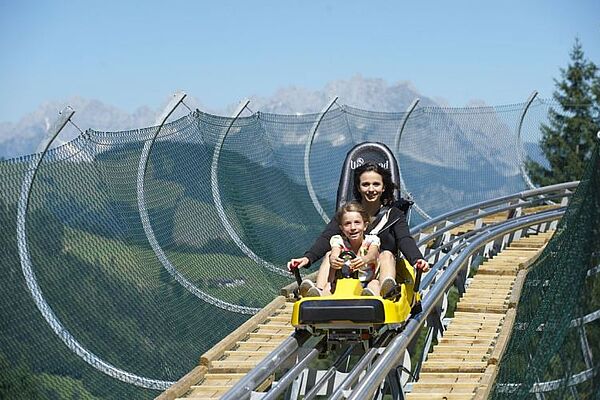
(353, 226)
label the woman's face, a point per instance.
(371, 187)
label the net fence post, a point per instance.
(521, 151)
(149, 231)
(214, 183)
(36, 292)
(403, 186)
(307, 148)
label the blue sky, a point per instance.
(135, 53)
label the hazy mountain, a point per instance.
(23, 137)
(365, 93)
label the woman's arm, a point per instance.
(321, 245)
(403, 240)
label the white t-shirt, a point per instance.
(369, 271)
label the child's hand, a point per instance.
(336, 262)
(357, 263)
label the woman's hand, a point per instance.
(422, 265)
(295, 263)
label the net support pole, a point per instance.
(307, 148)
(149, 231)
(214, 183)
(160, 121)
(409, 111)
(36, 292)
(524, 174)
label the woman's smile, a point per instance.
(371, 186)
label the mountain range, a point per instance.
(23, 137)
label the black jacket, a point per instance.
(394, 237)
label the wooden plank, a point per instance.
(230, 340)
(210, 388)
(483, 316)
(466, 321)
(513, 300)
(446, 376)
(213, 378)
(498, 271)
(491, 331)
(206, 393)
(454, 387)
(283, 319)
(502, 281)
(497, 301)
(462, 366)
(252, 346)
(483, 304)
(180, 387)
(498, 309)
(487, 380)
(439, 396)
(266, 341)
(271, 336)
(464, 341)
(451, 357)
(277, 325)
(463, 348)
(476, 293)
(235, 357)
(247, 353)
(225, 367)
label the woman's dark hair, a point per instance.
(387, 197)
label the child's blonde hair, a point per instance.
(352, 206)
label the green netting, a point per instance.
(554, 350)
(136, 256)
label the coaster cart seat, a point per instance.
(346, 315)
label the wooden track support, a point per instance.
(463, 364)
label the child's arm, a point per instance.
(334, 258)
(372, 255)
(335, 261)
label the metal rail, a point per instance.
(436, 283)
(391, 357)
(494, 202)
(243, 389)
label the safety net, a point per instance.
(555, 343)
(126, 255)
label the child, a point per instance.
(353, 220)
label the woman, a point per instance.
(374, 189)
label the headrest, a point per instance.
(360, 154)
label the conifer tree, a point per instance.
(569, 138)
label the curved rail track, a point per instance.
(483, 251)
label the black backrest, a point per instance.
(360, 154)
